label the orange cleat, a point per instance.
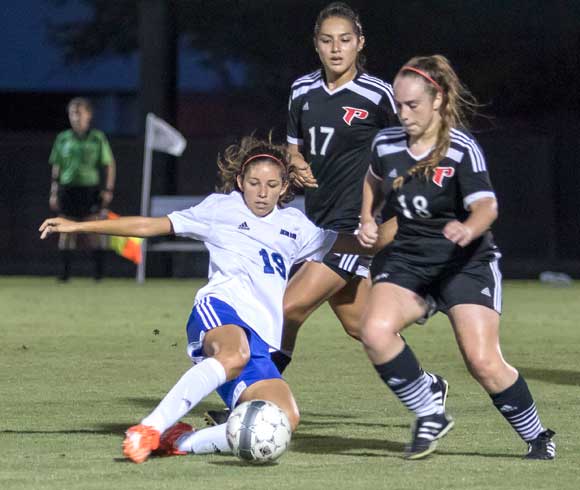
(139, 441)
(170, 436)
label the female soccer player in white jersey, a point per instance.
(237, 317)
(334, 113)
(434, 175)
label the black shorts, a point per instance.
(348, 266)
(79, 202)
(475, 282)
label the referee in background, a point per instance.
(83, 181)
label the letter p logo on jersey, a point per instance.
(352, 112)
(442, 172)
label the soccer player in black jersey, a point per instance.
(333, 115)
(434, 175)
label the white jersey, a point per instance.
(250, 257)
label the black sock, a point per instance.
(280, 360)
(98, 261)
(517, 406)
(65, 256)
(404, 376)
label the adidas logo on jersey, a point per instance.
(393, 174)
(486, 292)
(305, 107)
(244, 226)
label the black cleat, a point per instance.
(216, 417)
(542, 447)
(280, 360)
(440, 390)
(431, 310)
(426, 432)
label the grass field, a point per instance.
(81, 362)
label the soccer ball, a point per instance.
(258, 431)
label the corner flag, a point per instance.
(161, 136)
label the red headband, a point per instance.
(424, 75)
(261, 155)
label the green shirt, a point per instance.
(79, 158)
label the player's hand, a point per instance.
(53, 202)
(368, 234)
(458, 233)
(57, 225)
(303, 176)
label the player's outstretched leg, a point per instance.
(198, 382)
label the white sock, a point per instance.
(193, 386)
(205, 441)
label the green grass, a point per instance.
(80, 362)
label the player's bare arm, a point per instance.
(368, 234)
(138, 226)
(302, 170)
(483, 214)
(53, 200)
(107, 192)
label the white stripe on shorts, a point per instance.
(497, 285)
(347, 262)
(208, 315)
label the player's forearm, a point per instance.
(369, 199)
(55, 174)
(387, 232)
(110, 176)
(138, 226)
(483, 214)
(296, 157)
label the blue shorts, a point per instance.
(210, 313)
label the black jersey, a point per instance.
(334, 130)
(424, 206)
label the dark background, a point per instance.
(221, 69)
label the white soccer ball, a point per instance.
(258, 431)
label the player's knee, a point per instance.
(378, 331)
(293, 417)
(295, 312)
(234, 361)
(484, 369)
